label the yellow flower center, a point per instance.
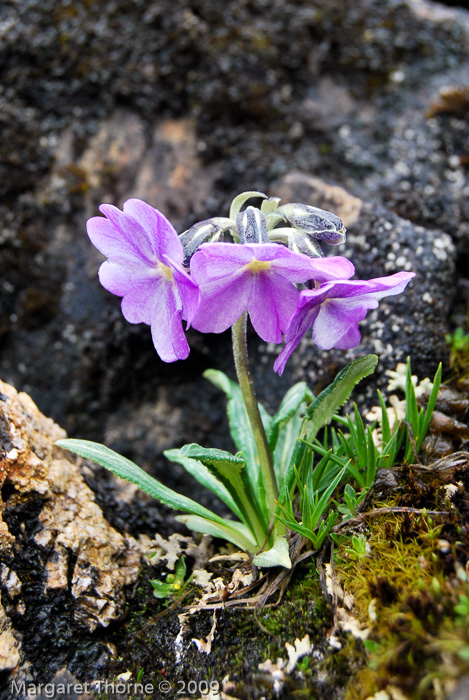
(258, 265)
(164, 271)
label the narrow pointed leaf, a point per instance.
(240, 427)
(322, 504)
(237, 533)
(385, 428)
(231, 471)
(200, 472)
(329, 401)
(125, 469)
(291, 402)
(431, 403)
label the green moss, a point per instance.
(458, 344)
(418, 636)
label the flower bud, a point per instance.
(252, 226)
(306, 245)
(202, 232)
(318, 223)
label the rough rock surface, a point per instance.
(63, 567)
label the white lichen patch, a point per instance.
(278, 670)
(296, 651)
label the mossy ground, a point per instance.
(411, 591)
(148, 640)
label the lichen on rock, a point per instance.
(54, 540)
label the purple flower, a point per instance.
(334, 310)
(258, 277)
(144, 267)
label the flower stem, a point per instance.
(240, 354)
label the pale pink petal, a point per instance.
(166, 325)
(131, 231)
(388, 286)
(187, 288)
(271, 305)
(222, 302)
(300, 323)
(336, 325)
(334, 268)
(121, 275)
(218, 261)
(334, 311)
(160, 232)
(110, 241)
(137, 305)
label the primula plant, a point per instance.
(266, 264)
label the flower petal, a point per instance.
(388, 286)
(132, 234)
(160, 232)
(300, 323)
(334, 268)
(294, 266)
(336, 325)
(121, 275)
(187, 288)
(166, 325)
(335, 309)
(221, 305)
(215, 261)
(271, 305)
(137, 305)
(110, 241)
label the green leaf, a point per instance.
(359, 437)
(322, 411)
(200, 472)
(277, 556)
(323, 503)
(180, 571)
(286, 443)
(320, 471)
(431, 404)
(351, 498)
(234, 532)
(161, 589)
(372, 453)
(270, 204)
(291, 402)
(125, 469)
(329, 401)
(241, 199)
(231, 471)
(240, 427)
(385, 427)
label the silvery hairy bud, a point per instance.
(306, 245)
(202, 232)
(252, 226)
(318, 223)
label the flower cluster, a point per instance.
(208, 282)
